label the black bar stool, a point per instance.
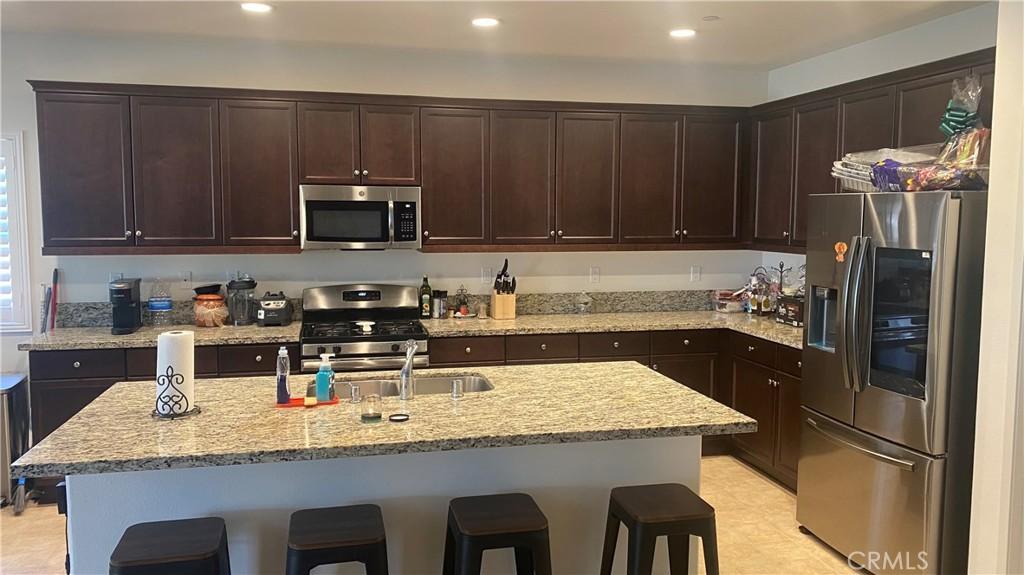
(476, 524)
(179, 547)
(650, 511)
(331, 535)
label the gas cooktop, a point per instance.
(357, 330)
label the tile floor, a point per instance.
(757, 532)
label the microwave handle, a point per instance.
(391, 222)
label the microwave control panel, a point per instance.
(405, 222)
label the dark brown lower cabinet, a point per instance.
(55, 401)
(694, 371)
(787, 448)
(773, 399)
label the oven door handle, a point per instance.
(901, 463)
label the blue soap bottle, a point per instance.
(324, 378)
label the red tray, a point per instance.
(298, 402)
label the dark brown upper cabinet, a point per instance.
(454, 171)
(711, 168)
(522, 177)
(587, 186)
(258, 151)
(866, 120)
(919, 108)
(649, 178)
(329, 144)
(176, 171)
(817, 146)
(389, 145)
(987, 73)
(85, 169)
(773, 176)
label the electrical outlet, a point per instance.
(185, 280)
(695, 273)
(595, 274)
(486, 275)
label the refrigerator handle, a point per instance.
(855, 347)
(843, 317)
(901, 463)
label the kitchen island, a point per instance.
(564, 433)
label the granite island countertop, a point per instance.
(239, 423)
(763, 327)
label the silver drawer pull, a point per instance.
(543, 347)
(355, 172)
(76, 365)
(615, 344)
(799, 363)
(469, 349)
(654, 367)
(751, 348)
(259, 358)
(686, 342)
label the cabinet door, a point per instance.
(85, 170)
(866, 120)
(919, 108)
(175, 147)
(649, 178)
(817, 146)
(328, 143)
(694, 371)
(57, 400)
(454, 165)
(522, 177)
(754, 396)
(773, 183)
(988, 76)
(787, 453)
(389, 145)
(587, 185)
(258, 146)
(711, 164)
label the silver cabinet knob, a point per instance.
(366, 172)
(295, 233)
(678, 233)
(551, 233)
(560, 233)
(615, 344)
(686, 342)
(654, 366)
(469, 350)
(799, 363)
(138, 233)
(751, 348)
(685, 232)
(76, 365)
(543, 347)
(785, 234)
(259, 358)
(127, 233)
(355, 172)
(426, 234)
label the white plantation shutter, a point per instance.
(15, 300)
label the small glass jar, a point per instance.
(371, 408)
(210, 310)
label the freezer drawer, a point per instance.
(875, 502)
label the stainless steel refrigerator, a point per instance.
(890, 376)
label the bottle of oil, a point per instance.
(425, 296)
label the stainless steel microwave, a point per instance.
(359, 217)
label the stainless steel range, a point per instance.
(365, 326)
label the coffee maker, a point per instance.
(125, 302)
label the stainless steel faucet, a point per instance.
(406, 383)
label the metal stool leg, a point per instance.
(611, 537)
(710, 542)
(641, 552)
(679, 554)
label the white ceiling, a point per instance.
(755, 34)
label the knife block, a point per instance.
(503, 305)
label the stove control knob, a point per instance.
(321, 349)
(336, 349)
(395, 347)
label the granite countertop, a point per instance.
(239, 423)
(762, 327)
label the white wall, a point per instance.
(958, 33)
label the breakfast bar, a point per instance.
(563, 433)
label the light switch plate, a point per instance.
(695, 273)
(595, 274)
(486, 275)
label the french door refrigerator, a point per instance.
(890, 376)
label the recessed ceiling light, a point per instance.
(682, 33)
(485, 22)
(711, 18)
(256, 7)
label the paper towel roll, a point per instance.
(175, 373)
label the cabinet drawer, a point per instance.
(77, 364)
(684, 341)
(467, 349)
(256, 359)
(557, 346)
(141, 362)
(790, 360)
(615, 344)
(754, 349)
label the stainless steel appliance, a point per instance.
(365, 326)
(359, 217)
(14, 433)
(125, 306)
(890, 376)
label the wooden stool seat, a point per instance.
(651, 511)
(330, 535)
(476, 524)
(186, 546)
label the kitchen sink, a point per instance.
(426, 385)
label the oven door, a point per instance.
(345, 217)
